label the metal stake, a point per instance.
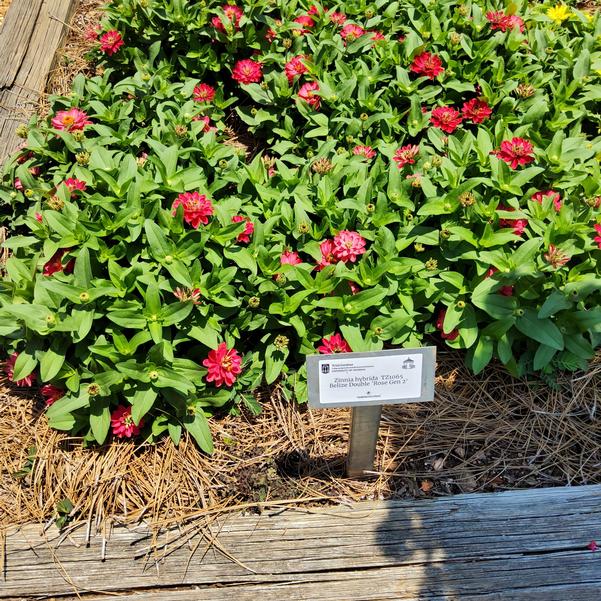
(365, 422)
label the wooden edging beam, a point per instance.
(32, 32)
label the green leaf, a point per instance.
(24, 365)
(480, 355)
(100, 418)
(543, 356)
(541, 330)
(198, 426)
(142, 403)
(159, 245)
(352, 334)
(51, 363)
(274, 361)
(555, 302)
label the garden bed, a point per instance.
(482, 433)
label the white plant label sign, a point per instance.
(371, 378)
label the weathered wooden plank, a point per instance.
(32, 32)
(544, 531)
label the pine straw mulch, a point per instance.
(481, 433)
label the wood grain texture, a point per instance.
(32, 32)
(528, 545)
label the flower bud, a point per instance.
(55, 203)
(364, 116)
(287, 43)
(370, 208)
(455, 38)
(445, 234)
(264, 85)
(253, 111)
(461, 304)
(82, 158)
(22, 130)
(84, 297)
(419, 248)
(467, 199)
(281, 342)
(29, 192)
(281, 279)
(223, 164)
(93, 390)
(436, 161)
(431, 264)
(303, 227)
(153, 375)
(369, 13)
(78, 135)
(181, 131)
(254, 302)
(322, 166)
(378, 331)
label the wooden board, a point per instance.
(32, 32)
(528, 545)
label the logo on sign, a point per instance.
(408, 363)
(325, 368)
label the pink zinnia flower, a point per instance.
(190, 294)
(518, 225)
(294, 67)
(51, 394)
(348, 246)
(223, 365)
(110, 42)
(334, 344)
(232, 13)
(327, 254)
(405, 155)
(248, 229)
(307, 93)
(55, 264)
(353, 287)
(271, 34)
(446, 118)
(207, 123)
(9, 370)
(71, 120)
(499, 20)
(247, 71)
(541, 195)
(38, 217)
(289, 257)
(75, 185)
(597, 239)
(203, 92)
(351, 32)
(338, 18)
(123, 424)
(91, 34)
(197, 208)
(514, 152)
(439, 325)
(377, 36)
(365, 151)
(18, 184)
(313, 10)
(427, 64)
(35, 171)
(476, 110)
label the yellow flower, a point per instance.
(558, 13)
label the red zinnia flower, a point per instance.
(38, 217)
(307, 93)
(439, 325)
(55, 264)
(338, 18)
(597, 239)
(540, 196)
(446, 118)
(51, 394)
(365, 151)
(499, 20)
(123, 424)
(271, 33)
(334, 344)
(327, 254)
(351, 32)
(204, 93)
(75, 185)
(514, 152)
(377, 36)
(518, 225)
(294, 67)
(9, 370)
(71, 120)
(110, 42)
(197, 208)
(232, 13)
(476, 110)
(189, 294)
(248, 229)
(289, 257)
(91, 34)
(207, 123)
(247, 71)
(305, 21)
(313, 10)
(405, 155)
(223, 365)
(427, 64)
(348, 246)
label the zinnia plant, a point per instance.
(243, 185)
